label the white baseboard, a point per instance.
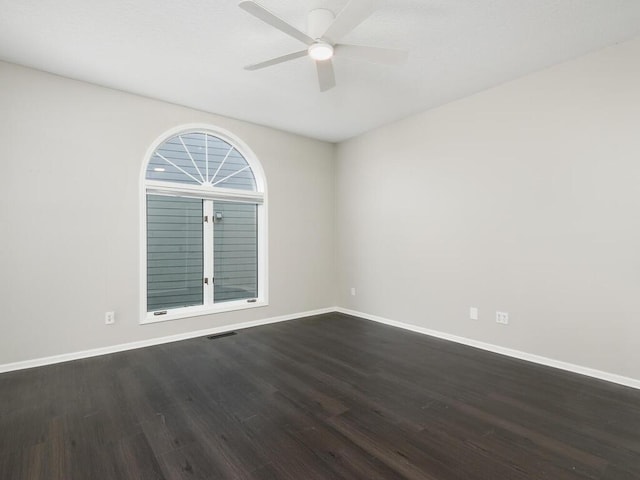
(590, 372)
(66, 357)
(549, 362)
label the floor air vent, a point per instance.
(220, 335)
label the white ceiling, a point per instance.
(192, 52)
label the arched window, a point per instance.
(204, 223)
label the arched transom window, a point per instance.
(204, 217)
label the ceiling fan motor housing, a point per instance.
(318, 22)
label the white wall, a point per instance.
(524, 198)
(70, 161)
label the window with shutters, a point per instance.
(204, 241)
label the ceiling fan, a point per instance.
(324, 33)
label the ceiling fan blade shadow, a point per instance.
(349, 18)
(266, 16)
(384, 56)
(277, 60)
(326, 75)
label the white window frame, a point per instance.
(259, 198)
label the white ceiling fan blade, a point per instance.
(277, 60)
(349, 18)
(326, 76)
(266, 16)
(385, 56)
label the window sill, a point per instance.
(187, 312)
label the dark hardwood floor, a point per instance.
(327, 397)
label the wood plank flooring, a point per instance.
(327, 397)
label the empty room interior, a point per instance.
(320, 239)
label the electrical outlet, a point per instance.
(110, 318)
(473, 313)
(353, 291)
(502, 318)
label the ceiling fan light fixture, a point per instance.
(321, 51)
